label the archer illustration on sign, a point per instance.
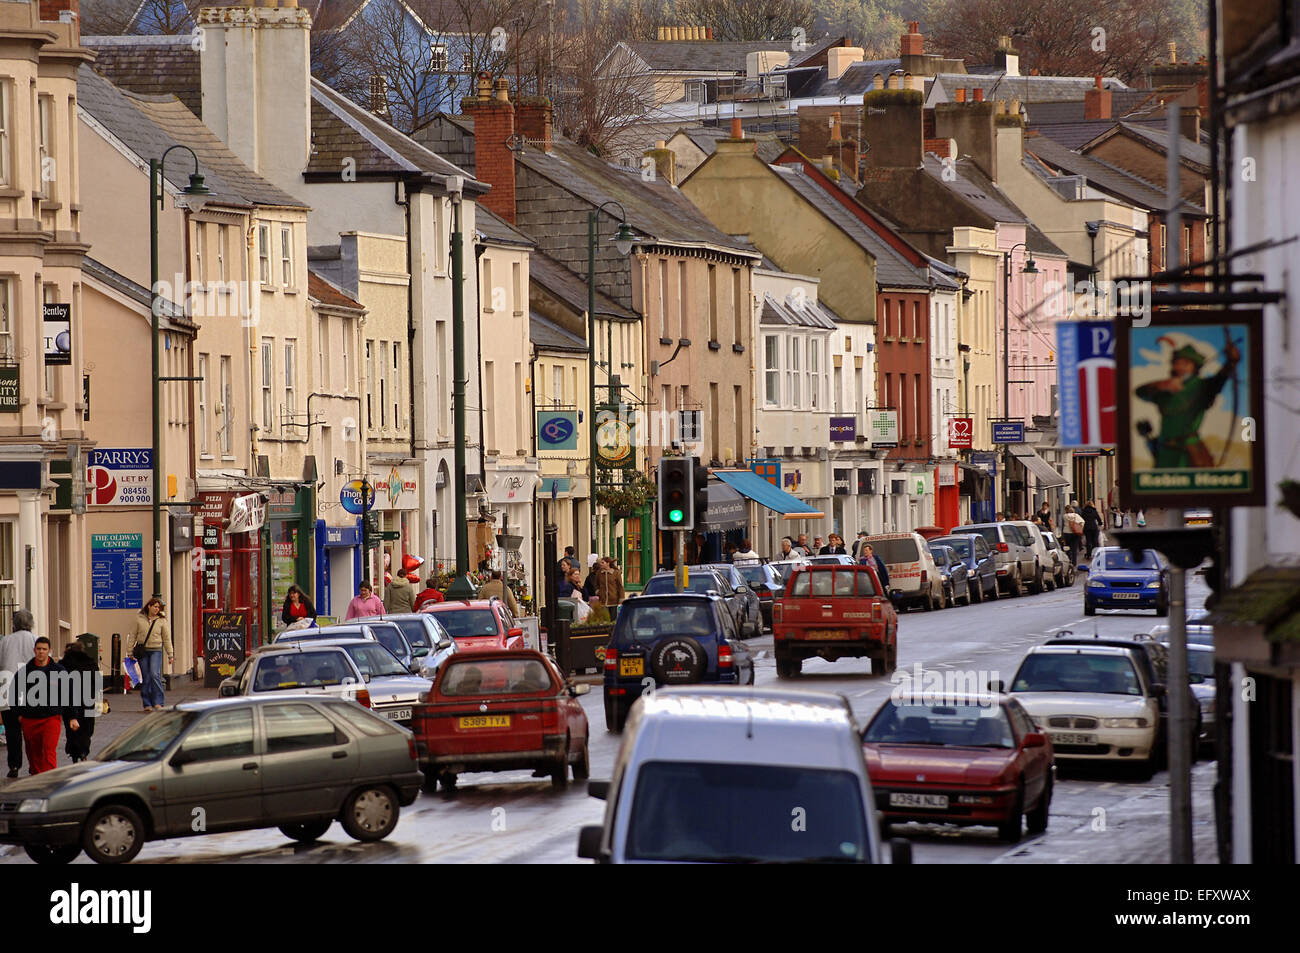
(1190, 381)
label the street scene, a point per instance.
(499, 432)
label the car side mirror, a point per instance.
(514, 633)
(900, 851)
(598, 789)
(576, 690)
(366, 676)
(182, 758)
(998, 686)
(229, 691)
(444, 644)
(589, 841)
(742, 588)
(1158, 689)
(1034, 739)
(414, 668)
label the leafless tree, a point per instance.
(150, 17)
(747, 19)
(873, 25)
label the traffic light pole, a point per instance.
(679, 554)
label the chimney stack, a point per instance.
(1096, 101)
(911, 43)
(737, 128)
(494, 127)
(972, 124)
(665, 161)
(894, 123)
(534, 117)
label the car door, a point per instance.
(1035, 763)
(216, 782)
(308, 765)
(742, 658)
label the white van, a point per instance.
(913, 573)
(1043, 576)
(705, 775)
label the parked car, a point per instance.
(288, 761)
(913, 576)
(702, 775)
(955, 575)
(1094, 701)
(478, 624)
(704, 579)
(678, 639)
(1196, 634)
(1064, 569)
(966, 759)
(767, 583)
(746, 597)
(981, 564)
(1117, 581)
(382, 631)
(431, 644)
(836, 559)
(1012, 549)
(501, 711)
(834, 612)
(1041, 578)
(786, 566)
(1200, 672)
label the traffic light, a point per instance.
(676, 499)
(701, 491)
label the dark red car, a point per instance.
(478, 624)
(969, 759)
(504, 710)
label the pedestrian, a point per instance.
(496, 586)
(869, 558)
(43, 708)
(816, 546)
(16, 650)
(1091, 527)
(802, 545)
(787, 548)
(365, 602)
(565, 563)
(297, 607)
(594, 564)
(1045, 514)
(857, 543)
(1001, 517)
(400, 596)
(1073, 525)
(834, 546)
(729, 552)
(581, 608)
(430, 593)
(609, 585)
(77, 659)
(745, 554)
(152, 638)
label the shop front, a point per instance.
(510, 492)
(396, 514)
(229, 585)
(290, 546)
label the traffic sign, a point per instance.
(1011, 432)
(390, 536)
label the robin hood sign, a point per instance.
(1190, 406)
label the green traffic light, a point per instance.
(675, 516)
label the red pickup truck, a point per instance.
(834, 612)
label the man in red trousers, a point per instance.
(42, 707)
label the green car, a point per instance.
(293, 762)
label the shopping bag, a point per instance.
(131, 673)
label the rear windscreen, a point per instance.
(896, 550)
(990, 533)
(649, 622)
(827, 582)
(495, 677)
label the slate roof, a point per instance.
(544, 333)
(787, 313)
(149, 125)
(1102, 175)
(892, 269)
(497, 230)
(1027, 89)
(326, 292)
(1158, 139)
(570, 288)
(1072, 135)
(152, 65)
(1123, 104)
(770, 146)
(701, 56)
(136, 292)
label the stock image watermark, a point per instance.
(967, 687)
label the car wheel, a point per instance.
(1017, 587)
(370, 813)
(677, 661)
(1036, 820)
(1037, 585)
(880, 666)
(974, 593)
(582, 767)
(1162, 611)
(113, 834)
(788, 668)
(306, 832)
(430, 778)
(1147, 769)
(560, 775)
(44, 854)
(448, 781)
(1089, 608)
(1010, 829)
(996, 593)
(892, 656)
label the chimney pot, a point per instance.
(708, 31)
(979, 94)
(1097, 82)
(484, 86)
(914, 26)
(1173, 52)
(961, 94)
(737, 128)
(501, 89)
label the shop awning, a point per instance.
(750, 484)
(1044, 472)
(727, 509)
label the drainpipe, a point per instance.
(479, 249)
(410, 309)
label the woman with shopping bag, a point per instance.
(150, 641)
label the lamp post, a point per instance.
(624, 239)
(462, 587)
(194, 196)
(1029, 269)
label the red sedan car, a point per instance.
(478, 624)
(975, 759)
(501, 711)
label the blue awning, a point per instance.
(760, 491)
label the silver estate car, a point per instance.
(295, 762)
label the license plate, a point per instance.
(398, 714)
(933, 801)
(485, 721)
(631, 666)
(830, 634)
(1067, 739)
(1126, 595)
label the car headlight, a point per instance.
(1096, 583)
(33, 805)
(1124, 723)
(1154, 585)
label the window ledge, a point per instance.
(518, 314)
(715, 346)
(9, 193)
(291, 291)
(206, 456)
(738, 348)
(228, 459)
(268, 289)
(666, 342)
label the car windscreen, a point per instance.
(972, 725)
(894, 551)
(296, 670)
(147, 739)
(824, 582)
(495, 677)
(693, 811)
(959, 545)
(940, 557)
(390, 639)
(375, 660)
(415, 631)
(696, 582)
(990, 533)
(1071, 672)
(469, 623)
(1123, 559)
(754, 575)
(642, 622)
(1200, 661)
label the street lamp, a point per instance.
(624, 239)
(462, 587)
(193, 197)
(1029, 269)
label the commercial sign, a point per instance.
(247, 514)
(919, 484)
(1186, 385)
(946, 474)
(1009, 432)
(120, 477)
(882, 429)
(727, 509)
(614, 449)
(1086, 382)
(985, 460)
(57, 333)
(224, 640)
(844, 428)
(792, 481)
(961, 433)
(557, 430)
(116, 570)
(398, 489)
(769, 469)
(511, 486)
(357, 497)
(9, 390)
(552, 487)
(842, 482)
